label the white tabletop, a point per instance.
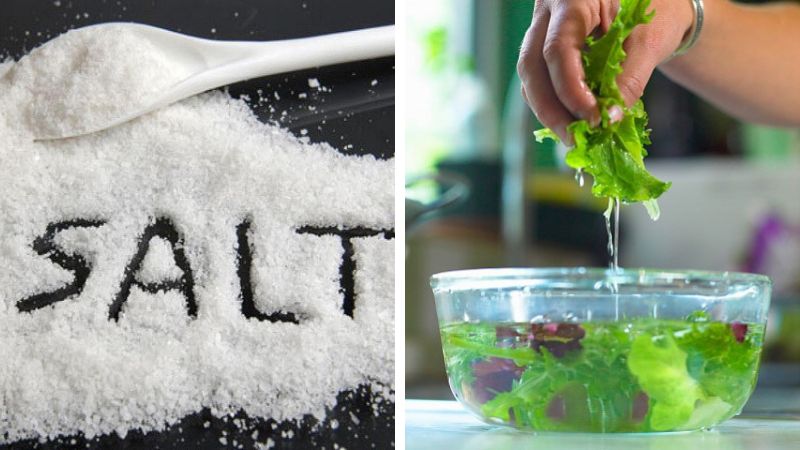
(446, 425)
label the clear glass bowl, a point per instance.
(595, 350)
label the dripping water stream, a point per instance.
(614, 206)
(613, 248)
(579, 177)
(613, 235)
(616, 234)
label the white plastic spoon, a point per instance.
(213, 63)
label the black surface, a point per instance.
(354, 113)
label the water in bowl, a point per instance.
(635, 375)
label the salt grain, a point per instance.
(204, 167)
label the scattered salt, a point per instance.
(203, 177)
(313, 83)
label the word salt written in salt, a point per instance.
(193, 258)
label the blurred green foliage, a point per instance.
(439, 58)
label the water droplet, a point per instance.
(579, 177)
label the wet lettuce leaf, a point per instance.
(659, 366)
(613, 153)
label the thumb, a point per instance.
(646, 48)
(636, 72)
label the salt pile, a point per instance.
(122, 255)
(79, 71)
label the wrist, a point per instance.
(686, 18)
(699, 28)
(690, 36)
(671, 26)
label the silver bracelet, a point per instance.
(694, 32)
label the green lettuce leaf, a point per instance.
(659, 366)
(712, 346)
(613, 153)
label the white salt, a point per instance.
(159, 263)
(313, 83)
(207, 165)
(108, 70)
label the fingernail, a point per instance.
(588, 92)
(567, 138)
(594, 119)
(615, 114)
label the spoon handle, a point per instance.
(269, 58)
(274, 57)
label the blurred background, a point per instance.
(508, 201)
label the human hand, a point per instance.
(550, 66)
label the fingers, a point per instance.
(608, 11)
(566, 35)
(636, 72)
(650, 44)
(537, 86)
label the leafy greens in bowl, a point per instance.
(590, 350)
